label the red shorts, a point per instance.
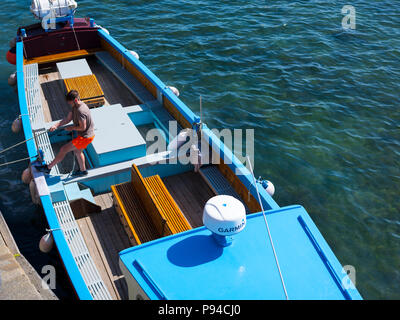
(81, 143)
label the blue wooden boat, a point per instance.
(133, 228)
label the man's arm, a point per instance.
(63, 122)
(81, 127)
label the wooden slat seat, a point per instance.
(61, 56)
(163, 210)
(148, 201)
(135, 219)
(170, 212)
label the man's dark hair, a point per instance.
(72, 95)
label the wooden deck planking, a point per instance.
(191, 193)
(53, 95)
(53, 90)
(105, 238)
(114, 90)
(97, 255)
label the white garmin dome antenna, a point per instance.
(224, 216)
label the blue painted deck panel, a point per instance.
(192, 266)
(116, 137)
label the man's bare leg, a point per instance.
(80, 156)
(59, 157)
(61, 154)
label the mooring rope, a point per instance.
(28, 158)
(76, 38)
(22, 142)
(15, 161)
(269, 232)
(12, 147)
(18, 144)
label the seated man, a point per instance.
(83, 125)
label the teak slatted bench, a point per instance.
(172, 219)
(134, 218)
(146, 208)
(61, 56)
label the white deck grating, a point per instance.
(35, 109)
(33, 96)
(80, 252)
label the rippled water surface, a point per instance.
(324, 103)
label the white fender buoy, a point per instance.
(27, 176)
(16, 125)
(34, 193)
(175, 91)
(12, 79)
(13, 42)
(135, 54)
(46, 243)
(269, 187)
(179, 140)
(104, 29)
